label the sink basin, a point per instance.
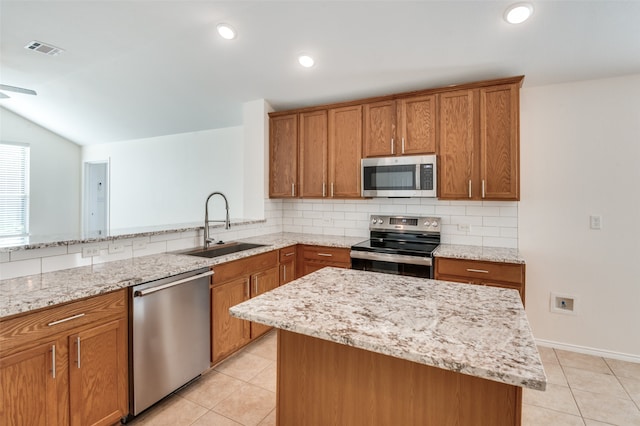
(222, 249)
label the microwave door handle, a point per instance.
(418, 171)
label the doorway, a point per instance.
(96, 199)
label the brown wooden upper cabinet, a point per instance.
(313, 154)
(406, 126)
(283, 154)
(479, 143)
(345, 151)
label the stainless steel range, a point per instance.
(401, 245)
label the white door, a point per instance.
(96, 204)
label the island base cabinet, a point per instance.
(325, 383)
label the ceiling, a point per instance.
(137, 69)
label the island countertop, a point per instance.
(475, 330)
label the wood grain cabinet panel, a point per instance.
(262, 282)
(345, 152)
(417, 125)
(313, 154)
(313, 258)
(283, 156)
(288, 270)
(379, 129)
(228, 334)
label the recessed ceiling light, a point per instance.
(518, 13)
(306, 61)
(226, 31)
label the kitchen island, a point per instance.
(363, 348)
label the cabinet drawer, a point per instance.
(479, 270)
(29, 328)
(243, 267)
(287, 254)
(327, 254)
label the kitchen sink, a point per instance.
(222, 249)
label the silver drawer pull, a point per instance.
(53, 361)
(482, 271)
(65, 320)
(325, 254)
(289, 254)
(78, 343)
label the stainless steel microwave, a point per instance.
(411, 176)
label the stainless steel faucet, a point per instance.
(227, 224)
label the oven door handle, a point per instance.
(392, 258)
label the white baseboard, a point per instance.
(589, 351)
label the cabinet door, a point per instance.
(261, 283)
(379, 129)
(98, 374)
(418, 125)
(228, 333)
(283, 156)
(456, 146)
(345, 151)
(30, 386)
(313, 154)
(499, 142)
(287, 271)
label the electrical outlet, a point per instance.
(115, 248)
(464, 227)
(595, 222)
(563, 304)
(89, 251)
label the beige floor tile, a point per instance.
(617, 411)
(266, 379)
(632, 386)
(266, 347)
(178, 412)
(547, 355)
(624, 368)
(538, 416)
(555, 374)
(214, 419)
(556, 397)
(585, 380)
(244, 366)
(212, 388)
(247, 406)
(583, 361)
(590, 422)
(270, 420)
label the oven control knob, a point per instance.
(373, 221)
(379, 221)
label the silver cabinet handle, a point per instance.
(284, 270)
(293, 189)
(391, 145)
(482, 188)
(325, 254)
(469, 188)
(289, 254)
(65, 320)
(78, 344)
(255, 286)
(140, 293)
(53, 361)
(403, 145)
(481, 271)
(324, 189)
(331, 189)
(247, 289)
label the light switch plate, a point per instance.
(115, 248)
(89, 251)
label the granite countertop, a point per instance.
(475, 330)
(33, 292)
(490, 254)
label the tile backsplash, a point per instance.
(489, 223)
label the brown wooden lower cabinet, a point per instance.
(66, 364)
(325, 383)
(313, 258)
(262, 282)
(495, 274)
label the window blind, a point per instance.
(14, 190)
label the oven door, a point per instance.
(414, 266)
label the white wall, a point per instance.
(580, 153)
(165, 180)
(54, 175)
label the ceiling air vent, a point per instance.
(41, 47)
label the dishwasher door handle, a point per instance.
(140, 293)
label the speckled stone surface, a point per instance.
(475, 330)
(23, 294)
(490, 254)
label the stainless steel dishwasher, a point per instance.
(170, 338)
